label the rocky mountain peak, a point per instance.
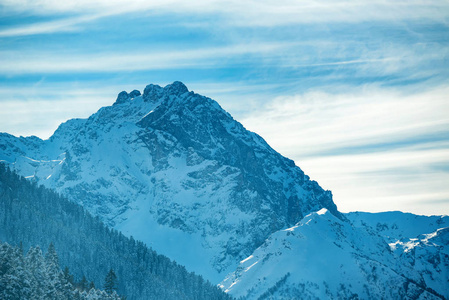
(177, 88)
(123, 96)
(134, 94)
(154, 92)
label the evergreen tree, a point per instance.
(14, 277)
(52, 257)
(83, 284)
(67, 276)
(110, 282)
(39, 277)
(55, 275)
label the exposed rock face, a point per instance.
(122, 98)
(134, 94)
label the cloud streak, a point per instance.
(252, 13)
(326, 121)
(32, 62)
(291, 60)
(48, 27)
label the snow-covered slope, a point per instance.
(429, 255)
(396, 225)
(326, 257)
(421, 241)
(173, 169)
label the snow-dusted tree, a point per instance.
(39, 277)
(14, 277)
(54, 273)
(27, 278)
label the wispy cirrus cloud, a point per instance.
(34, 62)
(67, 24)
(74, 16)
(292, 60)
(253, 13)
(322, 122)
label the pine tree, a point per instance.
(14, 277)
(110, 282)
(51, 256)
(83, 284)
(67, 276)
(67, 284)
(55, 274)
(39, 277)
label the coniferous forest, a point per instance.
(31, 216)
(35, 276)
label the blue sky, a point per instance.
(355, 91)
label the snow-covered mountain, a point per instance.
(326, 257)
(173, 169)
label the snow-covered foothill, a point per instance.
(324, 257)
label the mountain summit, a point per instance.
(173, 169)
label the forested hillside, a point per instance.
(33, 276)
(34, 215)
